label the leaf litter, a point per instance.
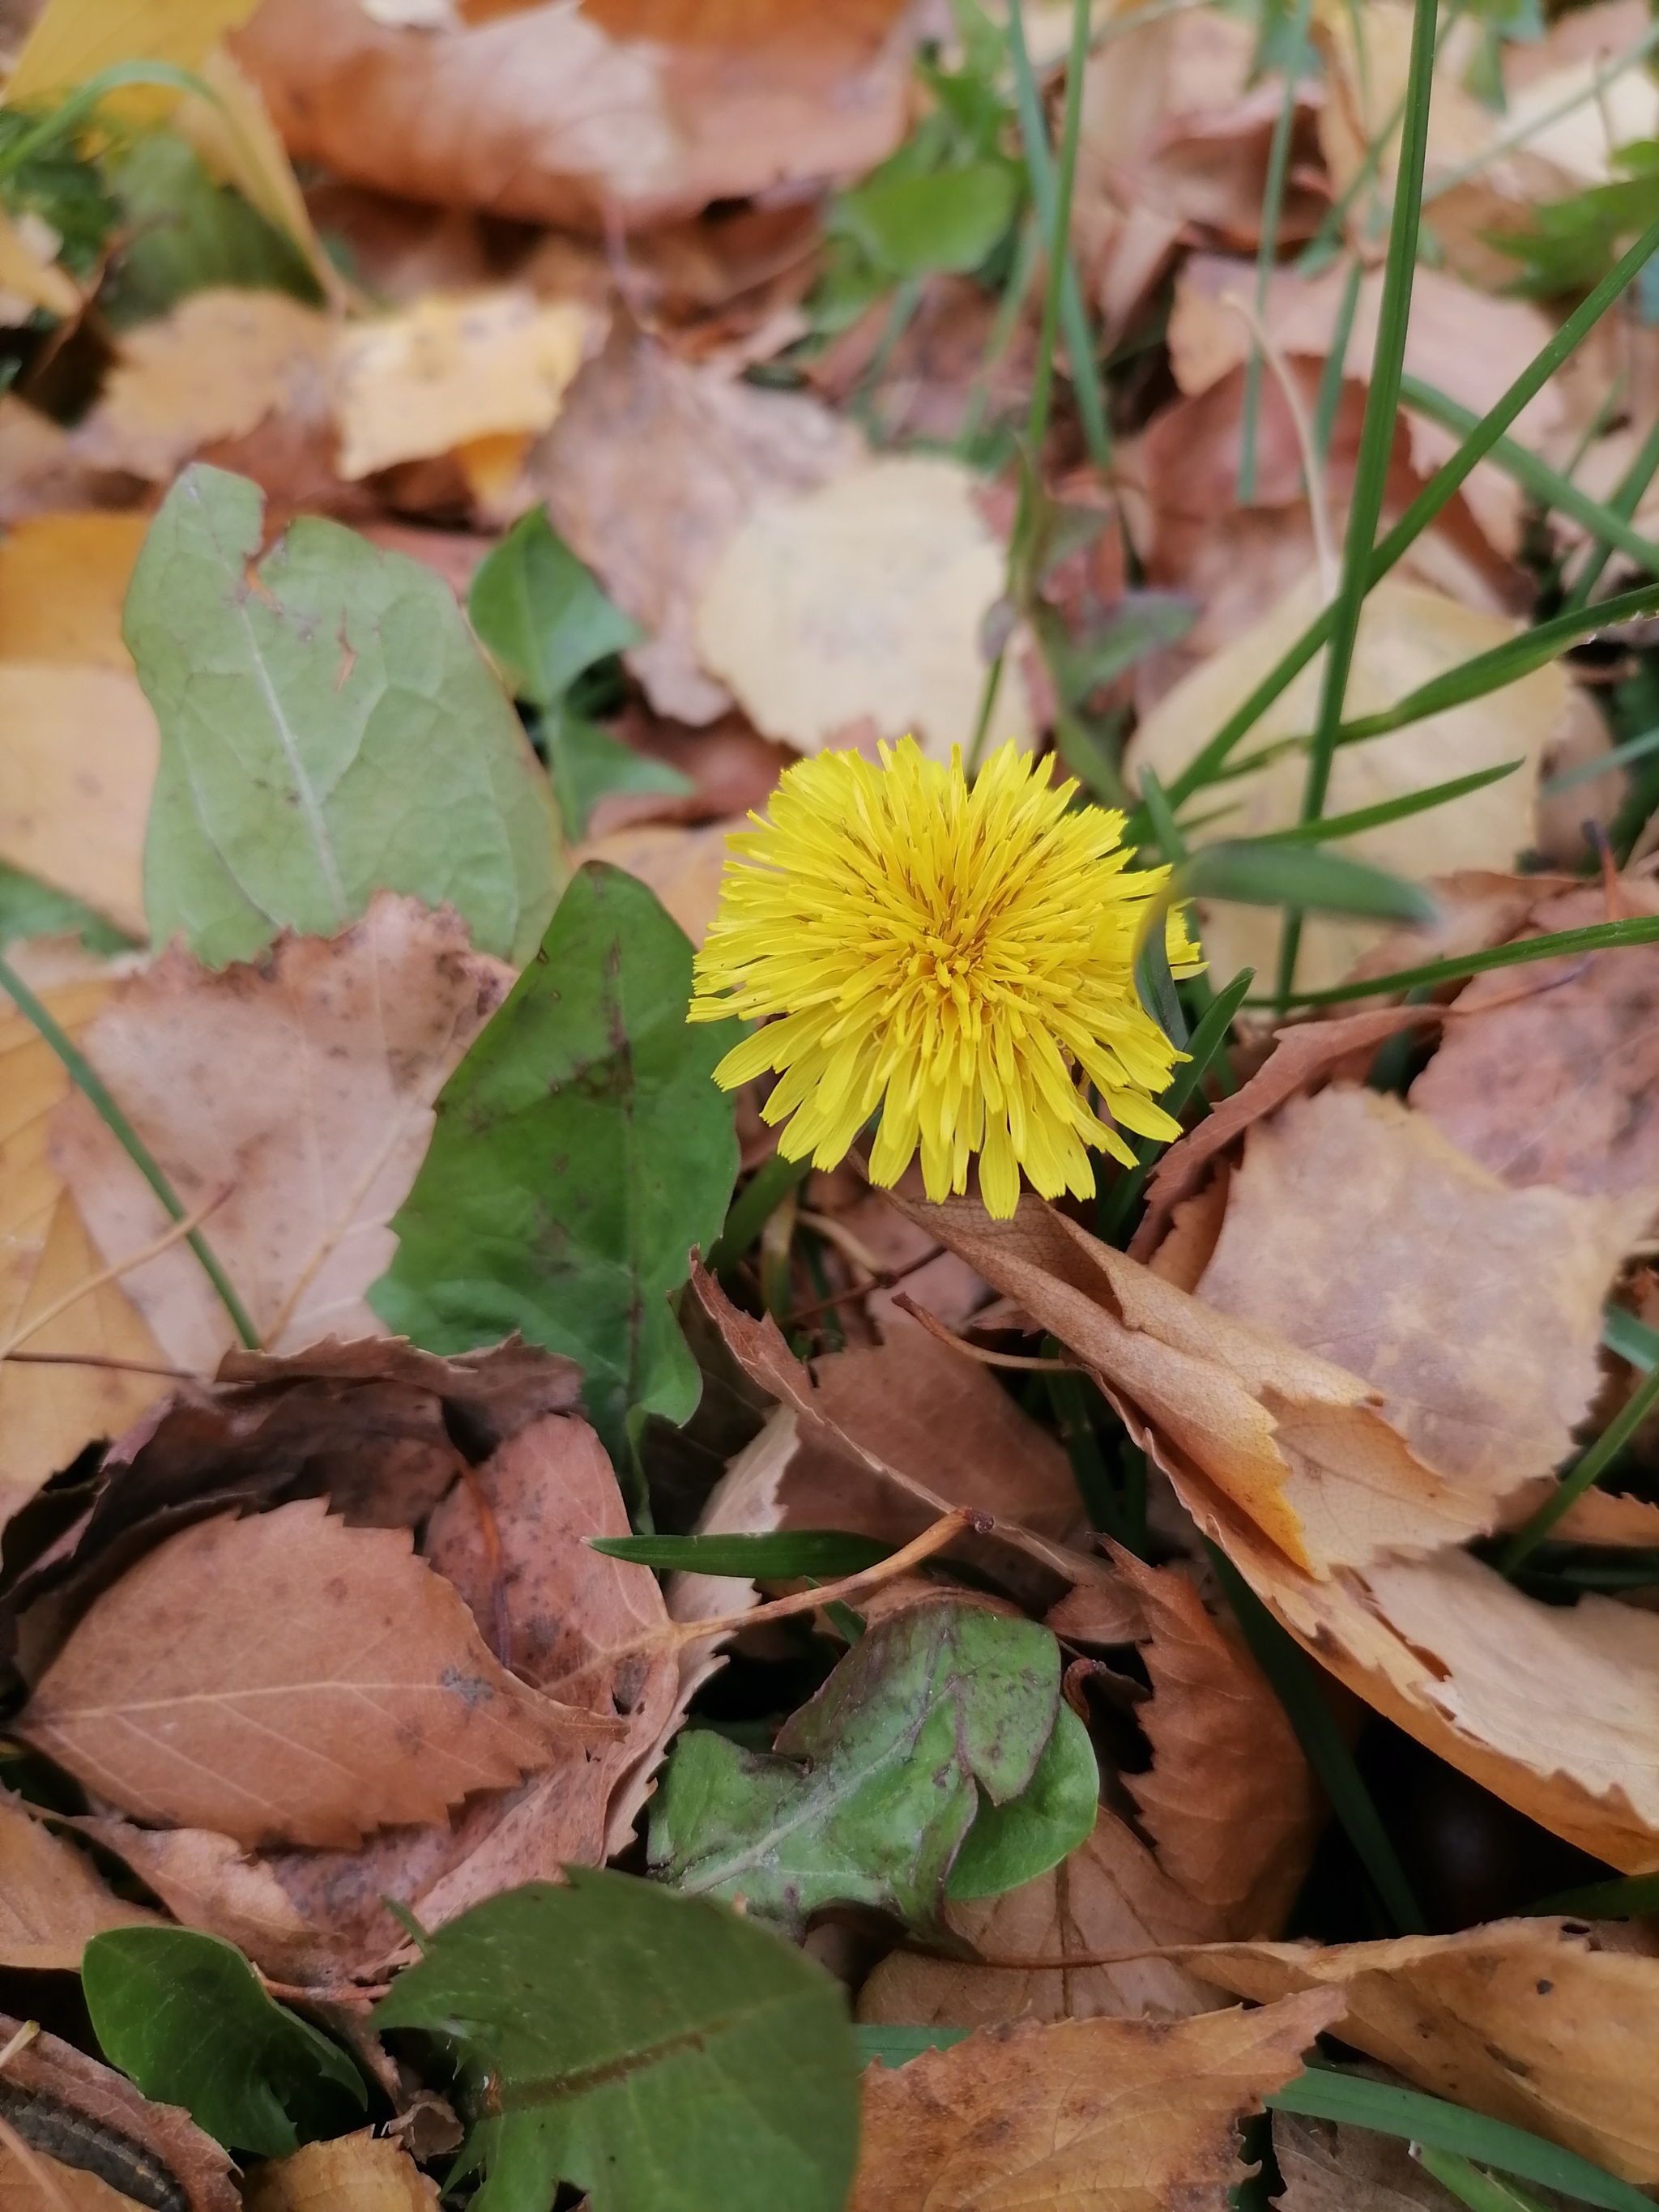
(537, 1624)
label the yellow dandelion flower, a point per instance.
(961, 958)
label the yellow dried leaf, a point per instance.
(363, 2172)
(73, 40)
(78, 753)
(240, 144)
(63, 581)
(52, 1903)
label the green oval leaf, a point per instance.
(1052, 1816)
(540, 612)
(948, 220)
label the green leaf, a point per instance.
(581, 1150)
(872, 1787)
(1301, 875)
(659, 2051)
(542, 614)
(1354, 2100)
(898, 2046)
(1052, 1816)
(824, 1554)
(1558, 945)
(949, 220)
(185, 2016)
(328, 729)
(1139, 624)
(185, 232)
(29, 908)
(587, 764)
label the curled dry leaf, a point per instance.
(1134, 2115)
(1531, 2021)
(304, 1087)
(1355, 1229)
(539, 114)
(134, 2146)
(362, 2172)
(51, 1900)
(863, 602)
(1332, 2169)
(1407, 635)
(286, 1677)
(48, 1413)
(649, 471)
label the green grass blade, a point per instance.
(1169, 841)
(1352, 2100)
(1593, 1463)
(1560, 945)
(1207, 1042)
(824, 1554)
(1272, 207)
(1330, 378)
(754, 1206)
(1296, 1685)
(1059, 231)
(1548, 485)
(1628, 1338)
(1386, 810)
(896, 2046)
(1624, 503)
(1621, 756)
(1626, 1899)
(1473, 2186)
(87, 1079)
(1300, 877)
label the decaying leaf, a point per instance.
(63, 579)
(1532, 2021)
(308, 1099)
(77, 770)
(363, 2172)
(1326, 2169)
(861, 604)
(363, 1697)
(51, 1900)
(1097, 2113)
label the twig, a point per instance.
(936, 1327)
(882, 1279)
(152, 1250)
(1319, 511)
(105, 1359)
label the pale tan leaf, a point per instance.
(51, 1900)
(1356, 1230)
(862, 603)
(48, 1413)
(29, 279)
(78, 753)
(1128, 2114)
(1523, 2021)
(285, 1677)
(362, 2172)
(304, 1084)
(73, 40)
(1326, 2168)
(23, 2188)
(238, 144)
(63, 580)
(1407, 635)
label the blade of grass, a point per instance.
(1330, 378)
(87, 1079)
(1628, 1338)
(1624, 503)
(754, 1206)
(1295, 1683)
(1272, 206)
(1325, 2092)
(1376, 438)
(1609, 763)
(1594, 1462)
(823, 1554)
(1471, 2185)
(1561, 944)
(1386, 810)
(1000, 336)
(1209, 1039)
(1441, 488)
(1626, 1899)
(1068, 1400)
(1548, 485)
(1298, 878)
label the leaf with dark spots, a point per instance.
(581, 1153)
(874, 1784)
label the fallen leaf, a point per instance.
(863, 599)
(367, 1698)
(682, 865)
(21, 2188)
(450, 369)
(649, 472)
(1531, 2021)
(1407, 635)
(1130, 2114)
(72, 39)
(1550, 1084)
(48, 1413)
(146, 2145)
(363, 2172)
(63, 580)
(232, 131)
(77, 766)
(30, 279)
(51, 1900)
(310, 1095)
(1326, 2168)
(1356, 1231)
(541, 115)
(212, 368)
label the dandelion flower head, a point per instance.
(960, 958)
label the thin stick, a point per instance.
(105, 1359)
(936, 1327)
(1319, 510)
(87, 1079)
(20, 2041)
(72, 1297)
(884, 1279)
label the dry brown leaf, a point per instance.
(70, 43)
(305, 1083)
(63, 580)
(1407, 635)
(682, 865)
(1525, 2020)
(1552, 1084)
(540, 114)
(1128, 2114)
(451, 369)
(363, 2172)
(1296, 1443)
(287, 1677)
(1355, 1229)
(863, 602)
(22, 2190)
(78, 753)
(162, 2136)
(52, 1903)
(47, 1413)
(1330, 2169)
(212, 368)
(1230, 1802)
